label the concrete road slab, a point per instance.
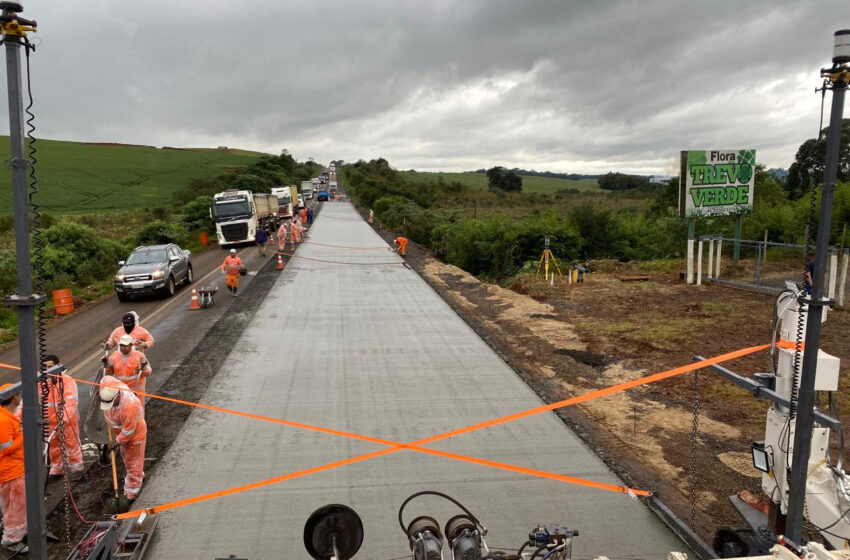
(368, 347)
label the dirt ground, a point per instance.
(566, 340)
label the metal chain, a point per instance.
(60, 433)
(694, 434)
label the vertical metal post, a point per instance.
(25, 301)
(699, 262)
(758, 263)
(710, 257)
(719, 254)
(806, 400)
(689, 277)
(736, 244)
(842, 282)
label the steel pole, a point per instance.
(25, 301)
(806, 400)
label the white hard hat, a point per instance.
(233, 251)
(125, 340)
(107, 397)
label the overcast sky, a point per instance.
(582, 87)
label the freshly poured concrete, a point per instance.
(370, 348)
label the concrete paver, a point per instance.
(372, 349)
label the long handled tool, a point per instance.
(118, 504)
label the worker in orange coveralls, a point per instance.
(129, 366)
(67, 395)
(401, 244)
(303, 216)
(12, 492)
(232, 264)
(142, 339)
(281, 237)
(295, 231)
(125, 417)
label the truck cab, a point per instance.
(284, 202)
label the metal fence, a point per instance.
(764, 266)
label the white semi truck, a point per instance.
(239, 214)
(307, 189)
(284, 202)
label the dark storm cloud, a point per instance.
(570, 86)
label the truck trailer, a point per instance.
(239, 214)
(307, 190)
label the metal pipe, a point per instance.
(25, 301)
(806, 400)
(762, 392)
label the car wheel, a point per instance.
(169, 289)
(189, 276)
(122, 297)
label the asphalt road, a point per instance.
(78, 339)
(347, 338)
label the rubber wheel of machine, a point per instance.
(329, 521)
(189, 276)
(170, 288)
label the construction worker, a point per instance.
(129, 366)
(371, 216)
(232, 264)
(281, 237)
(261, 239)
(12, 492)
(142, 339)
(310, 216)
(63, 391)
(125, 416)
(401, 244)
(295, 232)
(303, 216)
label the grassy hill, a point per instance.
(529, 184)
(80, 178)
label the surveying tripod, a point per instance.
(544, 260)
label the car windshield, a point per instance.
(231, 208)
(284, 199)
(147, 256)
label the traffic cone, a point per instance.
(279, 262)
(194, 304)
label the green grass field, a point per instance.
(81, 178)
(529, 184)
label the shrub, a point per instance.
(196, 215)
(160, 231)
(77, 252)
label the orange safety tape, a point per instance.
(393, 444)
(501, 420)
(9, 366)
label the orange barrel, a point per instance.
(63, 302)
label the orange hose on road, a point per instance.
(340, 262)
(384, 248)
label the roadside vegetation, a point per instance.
(498, 233)
(173, 193)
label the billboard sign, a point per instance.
(716, 182)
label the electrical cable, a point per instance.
(538, 551)
(441, 495)
(554, 550)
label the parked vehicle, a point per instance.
(284, 202)
(323, 195)
(333, 189)
(307, 189)
(239, 214)
(153, 269)
(300, 202)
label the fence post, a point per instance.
(699, 262)
(710, 257)
(833, 272)
(689, 275)
(842, 282)
(758, 263)
(736, 243)
(719, 252)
